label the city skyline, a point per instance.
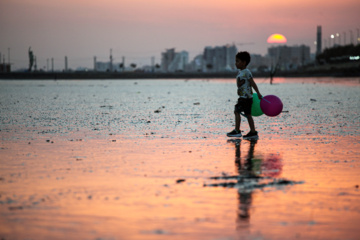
(140, 30)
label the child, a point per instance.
(245, 83)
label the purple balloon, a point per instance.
(271, 105)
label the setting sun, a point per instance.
(277, 38)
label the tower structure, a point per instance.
(95, 68)
(111, 61)
(318, 41)
(66, 64)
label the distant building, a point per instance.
(231, 51)
(318, 41)
(106, 67)
(196, 64)
(102, 66)
(219, 59)
(5, 67)
(259, 63)
(290, 58)
(179, 62)
(172, 61)
(166, 58)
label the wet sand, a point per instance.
(149, 159)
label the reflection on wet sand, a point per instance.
(119, 160)
(253, 173)
(250, 171)
(247, 170)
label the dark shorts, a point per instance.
(244, 105)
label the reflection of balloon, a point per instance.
(256, 165)
(271, 105)
(272, 166)
(255, 108)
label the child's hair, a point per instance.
(244, 56)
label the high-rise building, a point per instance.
(196, 64)
(179, 62)
(318, 40)
(209, 59)
(172, 61)
(220, 58)
(166, 58)
(290, 57)
(258, 62)
(231, 51)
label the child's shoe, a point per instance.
(251, 136)
(234, 133)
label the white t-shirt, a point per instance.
(245, 90)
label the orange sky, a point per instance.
(140, 29)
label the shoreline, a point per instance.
(327, 72)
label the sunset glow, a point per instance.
(139, 30)
(277, 38)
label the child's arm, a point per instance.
(254, 86)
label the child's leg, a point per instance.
(251, 122)
(237, 121)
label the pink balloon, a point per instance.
(271, 105)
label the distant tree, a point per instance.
(133, 65)
(209, 66)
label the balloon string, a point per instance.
(266, 100)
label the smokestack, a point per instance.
(9, 56)
(318, 41)
(95, 64)
(111, 61)
(52, 64)
(66, 64)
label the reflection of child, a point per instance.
(245, 83)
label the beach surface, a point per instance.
(149, 159)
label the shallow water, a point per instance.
(149, 159)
